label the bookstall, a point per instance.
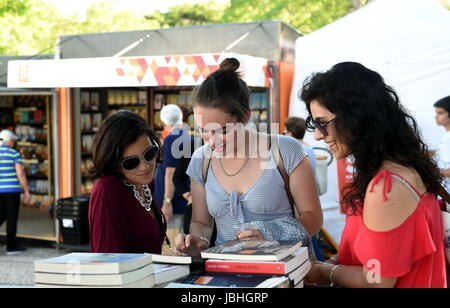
(98, 74)
(28, 113)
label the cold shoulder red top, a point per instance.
(413, 252)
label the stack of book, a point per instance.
(104, 270)
(252, 264)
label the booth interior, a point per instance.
(28, 113)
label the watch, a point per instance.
(167, 201)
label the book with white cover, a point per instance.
(300, 273)
(167, 272)
(75, 278)
(171, 259)
(147, 282)
(93, 263)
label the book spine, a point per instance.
(247, 267)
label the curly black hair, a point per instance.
(373, 124)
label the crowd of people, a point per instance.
(248, 185)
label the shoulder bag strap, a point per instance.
(273, 145)
(206, 162)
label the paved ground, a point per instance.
(18, 270)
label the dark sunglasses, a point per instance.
(132, 162)
(314, 124)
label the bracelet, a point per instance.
(332, 283)
(205, 239)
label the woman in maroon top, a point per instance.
(123, 217)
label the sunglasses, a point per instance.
(314, 124)
(132, 162)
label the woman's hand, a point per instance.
(190, 245)
(247, 235)
(319, 274)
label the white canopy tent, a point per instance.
(406, 41)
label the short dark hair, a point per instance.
(444, 103)
(224, 89)
(117, 132)
(297, 127)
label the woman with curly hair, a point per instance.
(393, 235)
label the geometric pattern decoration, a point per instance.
(178, 70)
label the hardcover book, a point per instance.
(282, 267)
(233, 281)
(260, 250)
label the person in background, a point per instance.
(296, 128)
(123, 217)
(13, 181)
(244, 195)
(442, 108)
(393, 235)
(171, 205)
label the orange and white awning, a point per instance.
(187, 70)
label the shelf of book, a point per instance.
(29, 116)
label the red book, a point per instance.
(282, 267)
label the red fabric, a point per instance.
(118, 223)
(413, 252)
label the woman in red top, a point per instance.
(393, 235)
(123, 217)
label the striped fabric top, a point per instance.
(266, 200)
(9, 182)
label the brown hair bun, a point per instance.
(230, 64)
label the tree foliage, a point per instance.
(31, 27)
(14, 7)
(189, 14)
(305, 15)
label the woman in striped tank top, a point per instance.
(12, 180)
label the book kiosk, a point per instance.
(99, 74)
(29, 114)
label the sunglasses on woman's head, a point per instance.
(132, 162)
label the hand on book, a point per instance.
(190, 245)
(247, 235)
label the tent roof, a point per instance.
(277, 37)
(406, 41)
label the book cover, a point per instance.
(164, 273)
(171, 259)
(93, 263)
(282, 267)
(74, 278)
(236, 281)
(252, 250)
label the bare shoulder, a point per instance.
(387, 207)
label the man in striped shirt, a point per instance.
(12, 180)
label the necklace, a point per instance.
(233, 174)
(147, 193)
